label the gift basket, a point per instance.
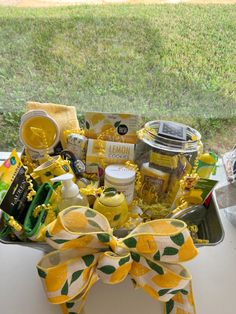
(113, 197)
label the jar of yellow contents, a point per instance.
(39, 131)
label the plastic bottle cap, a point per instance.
(119, 173)
(69, 188)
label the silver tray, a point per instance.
(210, 229)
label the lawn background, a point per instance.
(162, 61)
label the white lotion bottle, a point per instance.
(70, 193)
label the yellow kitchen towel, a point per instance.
(65, 116)
(87, 250)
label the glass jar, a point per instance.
(165, 153)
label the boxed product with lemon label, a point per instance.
(103, 153)
(116, 127)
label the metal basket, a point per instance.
(210, 229)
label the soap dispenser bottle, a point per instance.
(70, 193)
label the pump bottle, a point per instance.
(70, 193)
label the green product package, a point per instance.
(5, 229)
(32, 225)
(14, 189)
(206, 186)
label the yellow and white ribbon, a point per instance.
(88, 251)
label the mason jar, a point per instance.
(165, 153)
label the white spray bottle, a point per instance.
(70, 193)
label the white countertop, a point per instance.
(213, 271)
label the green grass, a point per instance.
(162, 61)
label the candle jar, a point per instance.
(122, 179)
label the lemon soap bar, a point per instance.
(163, 160)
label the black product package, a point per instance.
(15, 201)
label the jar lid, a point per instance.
(111, 197)
(151, 135)
(119, 173)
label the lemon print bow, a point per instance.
(88, 251)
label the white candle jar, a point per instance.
(122, 179)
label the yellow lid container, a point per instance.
(38, 131)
